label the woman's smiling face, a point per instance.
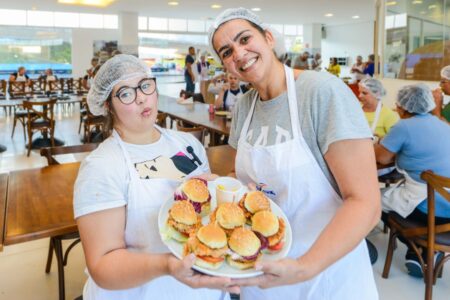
(244, 50)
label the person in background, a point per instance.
(369, 68)
(48, 76)
(301, 62)
(90, 73)
(120, 189)
(298, 134)
(358, 69)
(230, 93)
(380, 118)
(317, 62)
(334, 67)
(441, 96)
(203, 73)
(418, 142)
(20, 75)
(189, 76)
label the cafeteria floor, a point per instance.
(22, 266)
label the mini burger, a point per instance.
(209, 244)
(253, 202)
(182, 221)
(228, 216)
(195, 190)
(245, 249)
(270, 230)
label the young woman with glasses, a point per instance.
(121, 187)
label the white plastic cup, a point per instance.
(228, 189)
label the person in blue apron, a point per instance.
(420, 141)
(121, 187)
(302, 135)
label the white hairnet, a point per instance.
(416, 98)
(118, 68)
(445, 72)
(374, 86)
(244, 14)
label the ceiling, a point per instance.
(275, 12)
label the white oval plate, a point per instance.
(225, 270)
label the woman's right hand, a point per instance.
(183, 272)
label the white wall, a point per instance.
(392, 86)
(82, 47)
(347, 41)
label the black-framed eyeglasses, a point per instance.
(128, 95)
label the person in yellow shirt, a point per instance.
(334, 68)
(379, 117)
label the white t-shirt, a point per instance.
(359, 76)
(103, 179)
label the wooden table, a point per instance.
(3, 191)
(195, 114)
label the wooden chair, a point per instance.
(78, 86)
(161, 120)
(37, 86)
(20, 114)
(56, 241)
(17, 89)
(40, 117)
(92, 122)
(198, 132)
(432, 237)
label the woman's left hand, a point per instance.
(277, 273)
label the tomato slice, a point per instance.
(211, 259)
(276, 247)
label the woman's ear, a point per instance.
(269, 38)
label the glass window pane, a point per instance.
(39, 18)
(278, 27)
(110, 21)
(142, 23)
(13, 17)
(290, 29)
(177, 25)
(91, 21)
(158, 24)
(196, 26)
(63, 19)
(300, 30)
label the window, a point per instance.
(290, 29)
(142, 23)
(196, 26)
(177, 25)
(71, 20)
(91, 21)
(39, 18)
(13, 17)
(110, 21)
(158, 24)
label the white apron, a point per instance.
(404, 198)
(310, 202)
(232, 99)
(145, 196)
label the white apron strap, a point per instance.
(376, 118)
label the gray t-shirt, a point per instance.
(328, 112)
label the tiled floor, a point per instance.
(22, 266)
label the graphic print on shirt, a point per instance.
(281, 135)
(175, 167)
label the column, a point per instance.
(128, 33)
(312, 37)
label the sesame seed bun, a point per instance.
(256, 201)
(241, 265)
(244, 242)
(196, 190)
(212, 236)
(230, 215)
(265, 223)
(183, 212)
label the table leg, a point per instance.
(59, 258)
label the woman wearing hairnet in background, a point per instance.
(418, 142)
(300, 134)
(121, 186)
(379, 117)
(442, 96)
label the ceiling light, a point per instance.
(391, 3)
(99, 3)
(256, 9)
(417, 2)
(328, 15)
(355, 17)
(432, 6)
(173, 3)
(216, 6)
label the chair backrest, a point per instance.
(441, 185)
(161, 119)
(198, 132)
(40, 110)
(55, 85)
(37, 86)
(3, 87)
(16, 88)
(50, 152)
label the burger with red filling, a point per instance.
(182, 221)
(209, 244)
(252, 202)
(245, 249)
(270, 230)
(228, 216)
(195, 190)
